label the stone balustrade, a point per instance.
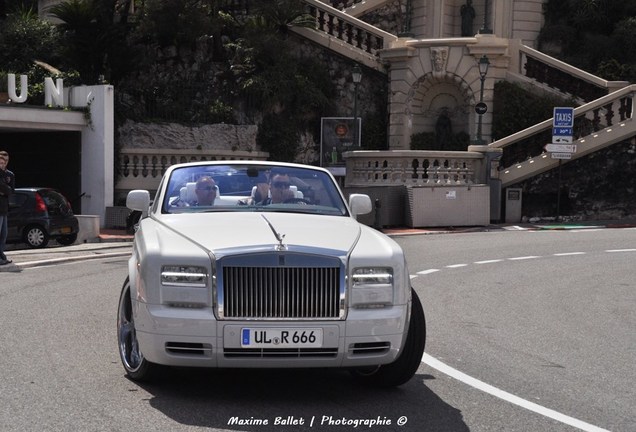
(347, 29)
(534, 65)
(414, 168)
(590, 118)
(143, 168)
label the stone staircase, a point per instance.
(597, 124)
(603, 117)
(345, 34)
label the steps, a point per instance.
(604, 117)
(598, 124)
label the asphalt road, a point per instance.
(547, 317)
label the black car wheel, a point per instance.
(409, 359)
(35, 236)
(67, 240)
(136, 366)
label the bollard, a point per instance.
(376, 215)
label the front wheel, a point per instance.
(409, 359)
(136, 366)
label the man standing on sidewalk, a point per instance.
(7, 186)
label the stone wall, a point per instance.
(211, 137)
(597, 187)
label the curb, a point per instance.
(31, 264)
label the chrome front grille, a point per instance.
(281, 292)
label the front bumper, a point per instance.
(194, 337)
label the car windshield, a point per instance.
(249, 187)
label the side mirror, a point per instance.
(139, 200)
(360, 204)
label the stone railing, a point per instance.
(342, 4)
(414, 168)
(611, 114)
(143, 168)
(345, 34)
(357, 7)
(530, 64)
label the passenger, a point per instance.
(205, 191)
(261, 190)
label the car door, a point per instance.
(18, 215)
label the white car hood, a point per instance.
(219, 232)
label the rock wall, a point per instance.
(211, 137)
(599, 186)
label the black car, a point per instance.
(37, 215)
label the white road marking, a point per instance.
(508, 397)
(488, 261)
(569, 253)
(501, 394)
(523, 258)
(429, 271)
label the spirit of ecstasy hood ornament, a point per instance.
(280, 246)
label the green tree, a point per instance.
(592, 35)
(290, 90)
(94, 37)
(25, 38)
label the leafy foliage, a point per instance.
(518, 109)
(25, 38)
(278, 134)
(94, 36)
(594, 35)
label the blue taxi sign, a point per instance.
(563, 117)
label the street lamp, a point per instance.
(356, 76)
(485, 29)
(481, 107)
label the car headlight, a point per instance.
(182, 275)
(372, 287)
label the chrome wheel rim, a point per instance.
(128, 344)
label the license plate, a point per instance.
(281, 337)
(65, 230)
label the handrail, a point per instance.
(547, 124)
(352, 31)
(588, 119)
(143, 168)
(413, 168)
(357, 8)
(565, 78)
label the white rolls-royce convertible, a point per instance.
(252, 264)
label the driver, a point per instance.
(279, 190)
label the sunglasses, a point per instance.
(280, 185)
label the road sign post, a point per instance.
(561, 147)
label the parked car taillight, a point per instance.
(40, 206)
